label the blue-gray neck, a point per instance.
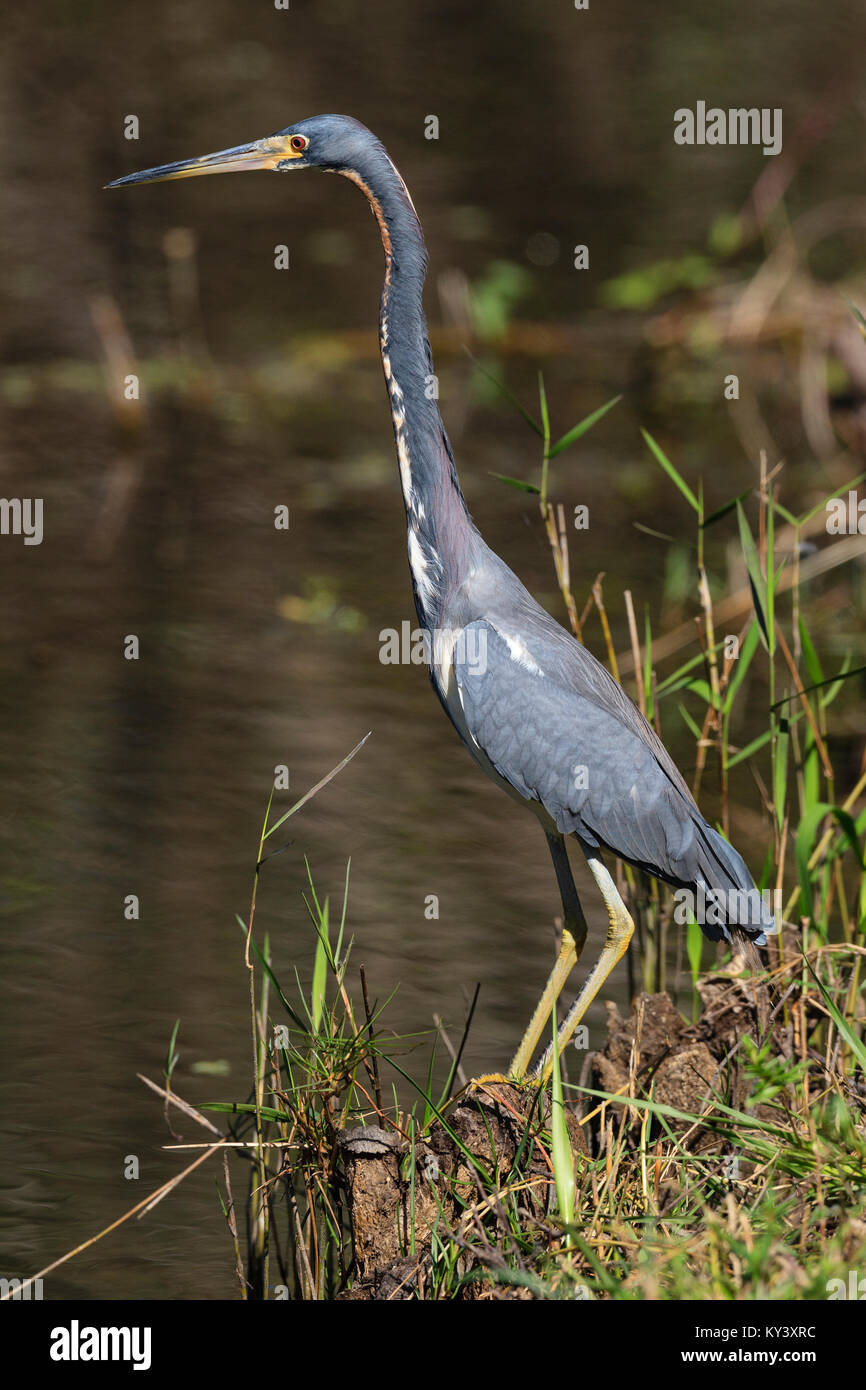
(442, 540)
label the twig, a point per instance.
(373, 1066)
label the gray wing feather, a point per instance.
(571, 739)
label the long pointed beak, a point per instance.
(260, 154)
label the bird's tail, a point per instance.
(728, 902)
(735, 910)
(744, 945)
(758, 989)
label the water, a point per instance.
(260, 648)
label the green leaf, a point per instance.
(298, 1022)
(780, 776)
(846, 487)
(320, 969)
(662, 458)
(835, 682)
(516, 482)
(236, 1107)
(811, 770)
(702, 688)
(572, 436)
(659, 535)
(772, 577)
(810, 656)
(317, 788)
(785, 514)
(172, 1057)
(805, 841)
(723, 511)
(861, 322)
(503, 389)
(756, 578)
(689, 722)
(750, 748)
(846, 1031)
(670, 682)
(561, 1151)
(542, 401)
(694, 947)
(843, 675)
(744, 660)
(338, 949)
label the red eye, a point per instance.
(299, 142)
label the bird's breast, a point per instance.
(469, 645)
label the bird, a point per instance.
(542, 717)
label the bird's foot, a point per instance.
(494, 1078)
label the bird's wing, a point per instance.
(562, 732)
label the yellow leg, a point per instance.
(573, 938)
(552, 990)
(619, 934)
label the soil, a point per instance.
(394, 1190)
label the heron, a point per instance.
(542, 717)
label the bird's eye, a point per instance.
(299, 142)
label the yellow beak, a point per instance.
(271, 153)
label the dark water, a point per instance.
(260, 647)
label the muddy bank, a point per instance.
(491, 1149)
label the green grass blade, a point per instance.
(237, 1107)
(675, 680)
(561, 1151)
(821, 506)
(845, 1030)
(861, 322)
(320, 970)
(780, 776)
(517, 483)
(577, 431)
(833, 682)
(338, 949)
(785, 514)
(694, 952)
(171, 1057)
(689, 722)
(810, 656)
(298, 1022)
(542, 400)
(835, 685)
(750, 748)
(804, 844)
(504, 391)
(662, 458)
(744, 660)
(772, 577)
(756, 578)
(317, 788)
(723, 510)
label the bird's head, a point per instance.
(336, 143)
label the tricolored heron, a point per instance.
(542, 717)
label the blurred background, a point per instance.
(262, 387)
